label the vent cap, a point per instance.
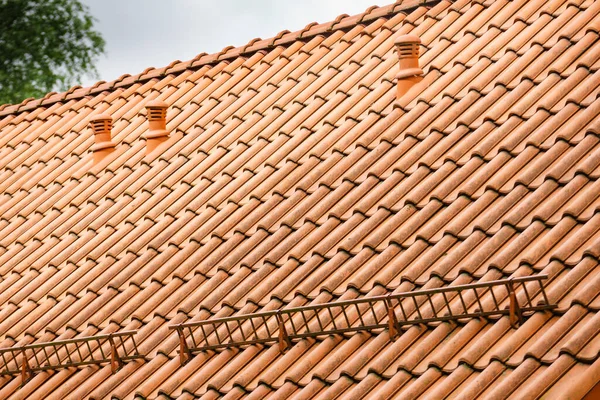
(409, 73)
(157, 124)
(101, 125)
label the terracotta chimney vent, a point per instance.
(408, 57)
(157, 124)
(102, 126)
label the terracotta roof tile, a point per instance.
(293, 176)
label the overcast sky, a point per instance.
(152, 33)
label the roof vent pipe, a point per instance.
(102, 126)
(408, 57)
(157, 124)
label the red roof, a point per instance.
(293, 176)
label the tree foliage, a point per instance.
(45, 45)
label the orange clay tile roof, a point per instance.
(293, 177)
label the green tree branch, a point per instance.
(45, 45)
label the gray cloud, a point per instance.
(145, 33)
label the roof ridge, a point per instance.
(343, 21)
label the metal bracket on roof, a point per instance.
(515, 297)
(284, 339)
(184, 351)
(393, 326)
(114, 348)
(515, 316)
(26, 372)
(115, 361)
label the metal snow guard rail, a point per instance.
(97, 349)
(485, 299)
